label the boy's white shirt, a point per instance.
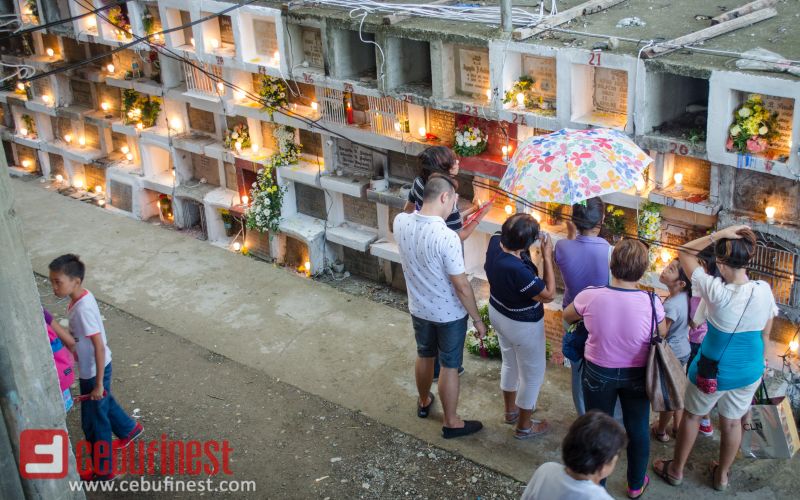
(85, 321)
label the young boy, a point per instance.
(100, 414)
(590, 451)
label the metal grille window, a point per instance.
(333, 106)
(199, 81)
(388, 116)
(777, 262)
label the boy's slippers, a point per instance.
(470, 427)
(424, 411)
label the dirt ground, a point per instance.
(293, 444)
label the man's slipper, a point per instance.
(470, 427)
(424, 411)
(664, 474)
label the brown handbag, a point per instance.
(666, 378)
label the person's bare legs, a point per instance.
(448, 394)
(687, 434)
(423, 374)
(730, 440)
(676, 423)
(663, 421)
(510, 401)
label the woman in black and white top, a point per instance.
(440, 160)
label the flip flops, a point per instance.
(424, 411)
(511, 417)
(662, 437)
(523, 434)
(717, 486)
(665, 475)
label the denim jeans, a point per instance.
(445, 341)
(601, 388)
(100, 418)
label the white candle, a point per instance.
(770, 211)
(521, 100)
(422, 133)
(213, 42)
(110, 68)
(50, 52)
(678, 178)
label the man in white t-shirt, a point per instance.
(439, 299)
(590, 451)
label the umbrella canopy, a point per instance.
(570, 166)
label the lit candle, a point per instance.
(489, 94)
(68, 138)
(349, 111)
(82, 141)
(105, 106)
(175, 123)
(238, 146)
(505, 153)
(91, 22)
(237, 246)
(307, 266)
(314, 106)
(220, 87)
(521, 100)
(245, 200)
(140, 126)
(129, 156)
(98, 189)
(665, 256)
(537, 217)
(423, 134)
(50, 52)
(277, 56)
(20, 86)
(213, 42)
(101, 202)
(125, 149)
(397, 126)
(23, 132)
(770, 211)
(509, 209)
(191, 40)
(239, 95)
(254, 149)
(110, 68)
(794, 345)
(47, 99)
(678, 178)
(26, 164)
(78, 183)
(640, 185)
(59, 178)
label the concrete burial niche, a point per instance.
(307, 42)
(728, 92)
(353, 59)
(675, 106)
(408, 66)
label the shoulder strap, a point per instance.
(653, 320)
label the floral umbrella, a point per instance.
(570, 166)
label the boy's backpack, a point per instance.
(63, 359)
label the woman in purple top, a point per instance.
(583, 261)
(619, 318)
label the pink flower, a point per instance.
(756, 145)
(729, 144)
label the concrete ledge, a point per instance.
(31, 143)
(387, 250)
(121, 128)
(351, 186)
(39, 107)
(303, 173)
(703, 207)
(303, 227)
(194, 192)
(163, 183)
(222, 198)
(352, 236)
(195, 143)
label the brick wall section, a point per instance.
(121, 196)
(258, 244)
(362, 264)
(57, 165)
(360, 211)
(92, 136)
(296, 252)
(553, 329)
(310, 201)
(94, 177)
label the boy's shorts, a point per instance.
(444, 339)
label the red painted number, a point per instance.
(348, 87)
(307, 78)
(595, 59)
(262, 70)
(518, 119)
(407, 98)
(471, 110)
(220, 61)
(681, 149)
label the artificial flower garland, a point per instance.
(273, 94)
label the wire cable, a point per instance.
(62, 21)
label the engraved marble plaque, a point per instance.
(611, 90)
(543, 70)
(358, 160)
(226, 30)
(784, 106)
(312, 47)
(81, 93)
(201, 120)
(472, 71)
(265, 37)
(442, 124)
(92, 136)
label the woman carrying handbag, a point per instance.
(729, 366)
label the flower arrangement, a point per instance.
(273, 94)
(137, 108)
(33, 10)
(491, 346)
(119, 19)
(264, 212)
(615, 220)
(524, 86)
(240, 133)
(649, 229)
(470, 140)
(753, 127)
(29, 124)
(147, 22)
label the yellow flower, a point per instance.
(618, 213)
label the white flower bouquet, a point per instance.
(470, 140)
